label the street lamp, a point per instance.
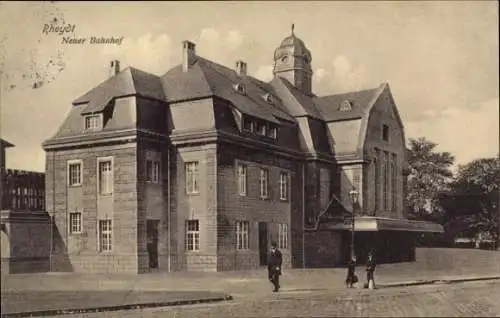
(353, 195)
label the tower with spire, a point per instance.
(292, 61)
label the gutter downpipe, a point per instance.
(52, 216)
(169, 233)
(303, 214)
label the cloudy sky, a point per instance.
(440, 58)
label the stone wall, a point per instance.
(25, 242)
(79, 251)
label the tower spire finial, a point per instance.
(293, 27)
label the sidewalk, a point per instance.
(437, 266)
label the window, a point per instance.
(192, 235)
(385, 132)
(394, 186)
(377, 180)
(268, 98)
(93, 122)
(240, 88)
(75, 222)
(192, 177)
(346, 106)
(386, 180)
(324, 187)
(247, 124)
(75, 173)
(264, 180)
(152, 171)
(283, 186)
(242, 235)
(272, 132)
(242, 179)
(105, 235)
(261, 129)
(283, 236)
(105, 176)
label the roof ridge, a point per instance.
(352, 92)
(132, 68)
(201, 59)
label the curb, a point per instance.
(437, 281)
(55, 312)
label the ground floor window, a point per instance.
(105, 235)
(242, 229)
(283, 236)
(192, 235)
(75, 221)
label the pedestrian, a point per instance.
(351, 278)
(274, 262)
(370, 270)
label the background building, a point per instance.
(203, 167)
(25, 225)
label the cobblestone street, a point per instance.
(458, 300)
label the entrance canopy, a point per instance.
(371, 223)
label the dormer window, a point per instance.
(93, 122)
(272, 132)
(261, 129)
(346, 106)
(247, 124)
(240, 88)
(268, 98)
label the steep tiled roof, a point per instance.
(360, 102)
(130, 81)
(207, 78)
(296, 102)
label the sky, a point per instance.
(439, 58)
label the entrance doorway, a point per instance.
(263, 243)
(152, 243)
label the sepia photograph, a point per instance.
(249, 159)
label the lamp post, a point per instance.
(353, 195)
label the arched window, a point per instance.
(346, 106)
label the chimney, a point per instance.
(241, 68)
(114, 68)
(188, 54)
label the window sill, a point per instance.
(75, 185)
(284, 200)
(105, 194)
(265, 198)
(193, 194)
(192, 251)
(246, 250)
(78, 234)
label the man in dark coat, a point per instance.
(351, 278)
(370, 270)
(274, 261)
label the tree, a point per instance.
(472, 204)
(430, 174)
